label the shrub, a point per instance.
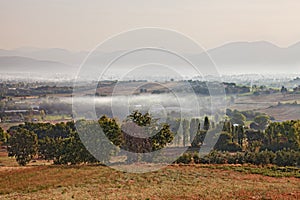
(264, 158)
(280, 158)
(186, 158)
(287, 158)
(196, 158)
(237, 158)
(216, 157)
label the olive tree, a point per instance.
(23, 145)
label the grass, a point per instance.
(7, 161)
(172, 182)
(57, 117)
(40, 180)
(272, 171)
(47, 118)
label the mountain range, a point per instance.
(231, 58)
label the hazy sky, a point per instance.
(82, 24)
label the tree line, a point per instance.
(62, 143)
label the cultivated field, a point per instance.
(268, 104)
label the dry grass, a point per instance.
(42, 181)
(172, 182)
(283, 112)
(268, 104)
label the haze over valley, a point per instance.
(230, 59)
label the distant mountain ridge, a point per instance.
(51, 54)
(256, 57)
(11, 64)
(231, 58)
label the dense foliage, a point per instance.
(143, 134)
(23, 145)
(279, 158)
(85, 142)
(63, 144)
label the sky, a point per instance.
(82, 24)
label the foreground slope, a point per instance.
(173, 182)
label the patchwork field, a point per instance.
(287, 110)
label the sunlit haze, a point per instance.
(80, 25)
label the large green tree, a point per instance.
(280, 135)
(143, 134)
(23, 145)
(225, 143)
(260, 122)
(238, 118)
(111, 129)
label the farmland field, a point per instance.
(42, 181)
(173, 182)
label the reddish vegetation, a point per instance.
(172, 182)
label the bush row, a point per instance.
(279, 158)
